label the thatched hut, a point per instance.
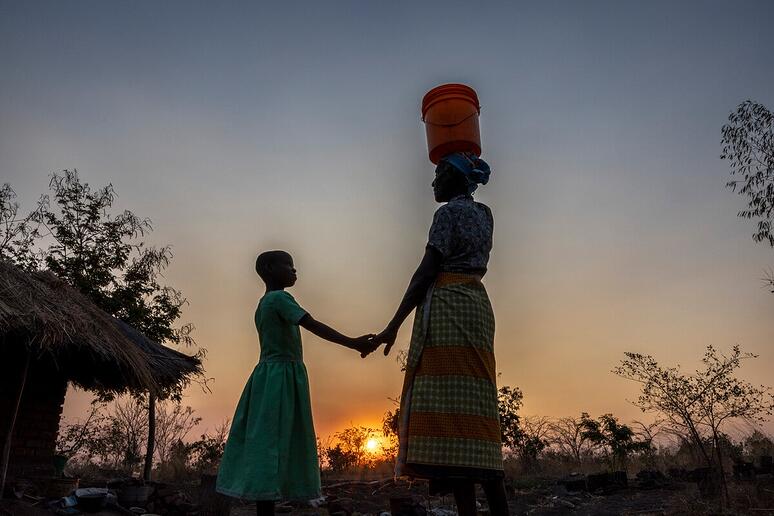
(50, 335)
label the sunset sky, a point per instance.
(239, 127)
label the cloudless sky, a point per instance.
(244, 126)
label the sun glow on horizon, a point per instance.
(372, 445)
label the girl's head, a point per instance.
(276, 269)
(459, 173)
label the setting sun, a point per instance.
(371, 445)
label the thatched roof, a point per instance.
(92, 349)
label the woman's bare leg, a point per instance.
(495, 495)
(465, 497)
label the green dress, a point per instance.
(271, 452)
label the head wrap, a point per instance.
(475, 170)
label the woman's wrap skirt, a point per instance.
(449, 422)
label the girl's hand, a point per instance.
(388, 337)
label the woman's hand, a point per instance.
(387, 336)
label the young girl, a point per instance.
(271, 452)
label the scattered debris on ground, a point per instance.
(128, 496)
(649, 493)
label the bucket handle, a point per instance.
(451, 125)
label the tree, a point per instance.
(616, 440)
(757, 444)
(698, 406)
(117, 440)
(18, 234)
(173, 423)
(748, 145)
(178, 460)
(390, 429)
(535, 433)
(339, 459)
(131, 419)
(509, 402)
(208, 451)
(646, 434)
(90, 246)
(112, 436)
(524, 436)
(567, 435)
(101, 254)
(352, 442)
(74, 437)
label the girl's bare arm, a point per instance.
(362, 343)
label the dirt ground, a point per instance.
(549, 498)
(538, 497)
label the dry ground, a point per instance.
(547, 498)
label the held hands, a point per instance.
(365, 344)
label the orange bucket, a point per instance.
(450, 113)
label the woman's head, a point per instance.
(448, 183)
(459, 174)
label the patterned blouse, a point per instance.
(462, 233)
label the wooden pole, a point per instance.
(7, 447)
(146, 475)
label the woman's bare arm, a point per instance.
(422, 279)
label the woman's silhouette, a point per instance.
(449, 427)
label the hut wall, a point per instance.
(34, 437)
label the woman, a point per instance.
(449, 426)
